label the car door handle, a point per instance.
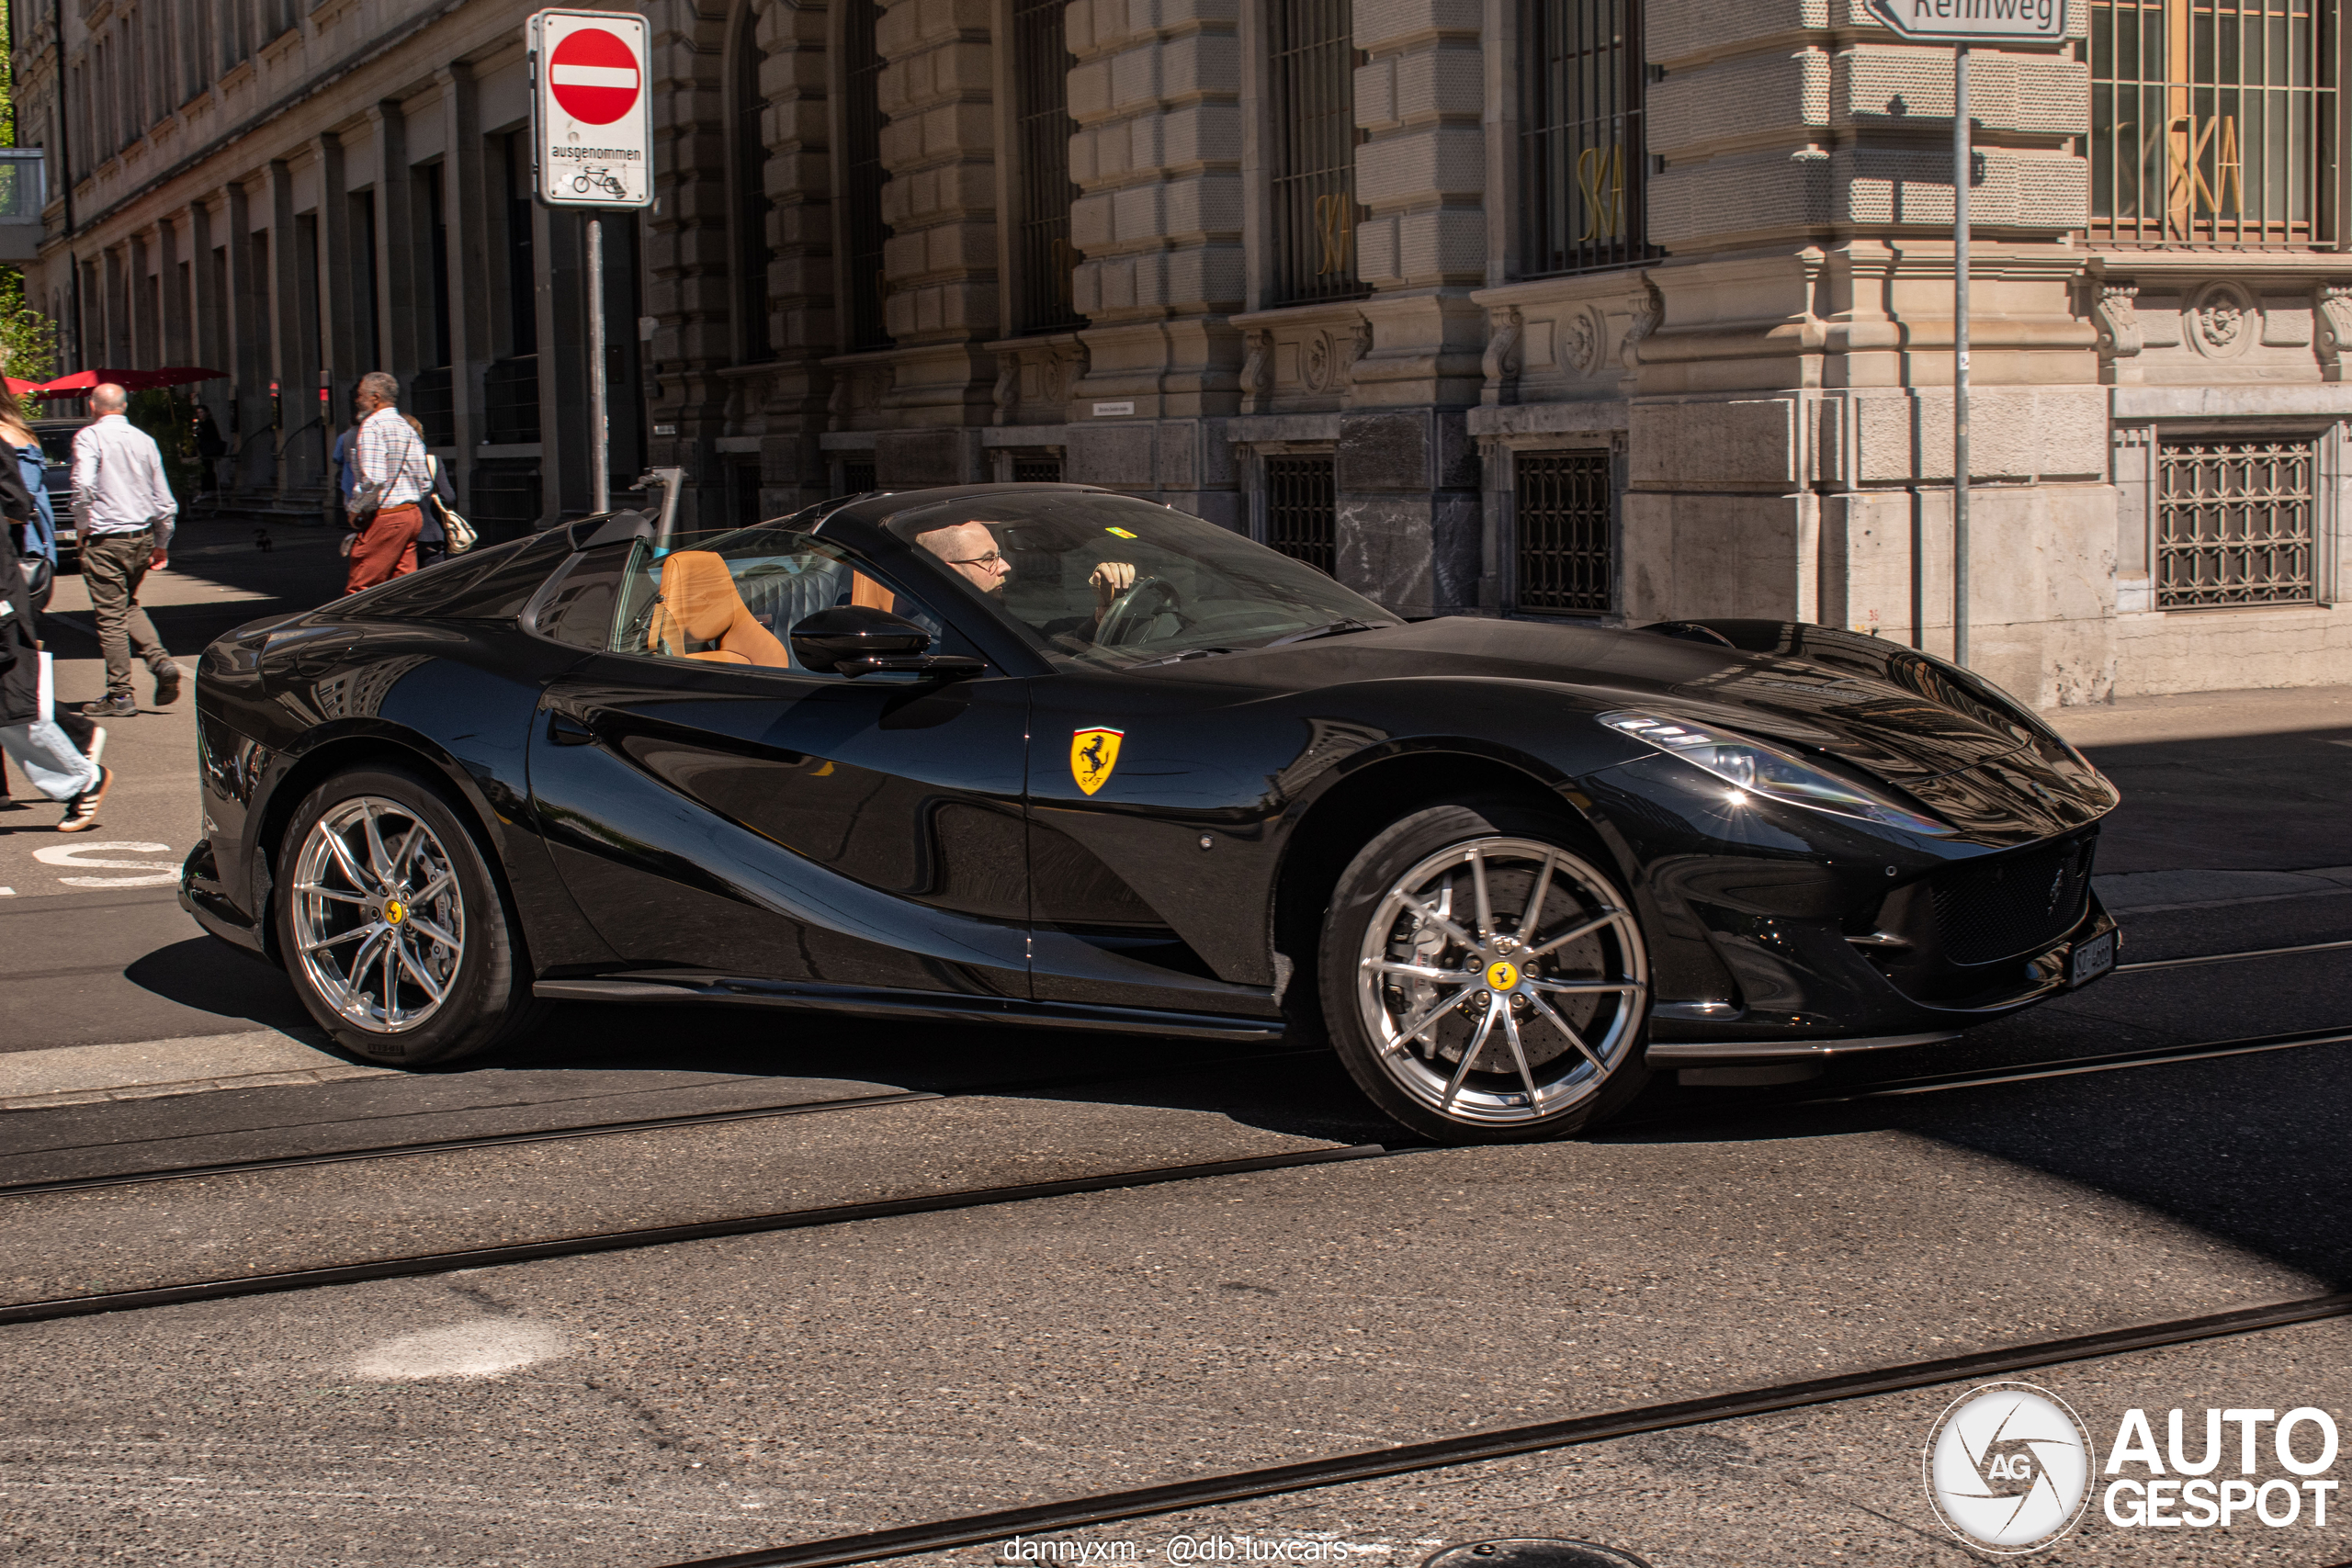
(565, 730)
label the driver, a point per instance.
(972, 551)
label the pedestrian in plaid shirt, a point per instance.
(387, 457)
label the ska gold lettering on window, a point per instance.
(1600, 179)
(2213, 123)
(1335, 230)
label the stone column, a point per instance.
(145, 330)
(341, 356)
(1790, 414)
(209, 341)
(685, 254)
(560, 295)
(940, 264)
(404, 250)
(247, 336)
(296, 392)
(1156, 97)
(470, 279)
(172, 346)
(796, 130)
(1409, 515)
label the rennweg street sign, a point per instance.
(1975, 21)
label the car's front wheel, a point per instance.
(1484, 980)
(392, 924)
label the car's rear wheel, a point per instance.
(393, 927)
(1484, 980)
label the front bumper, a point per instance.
(2045, 975)
(202, 896)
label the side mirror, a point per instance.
(857, 639)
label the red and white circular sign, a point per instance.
(593, 76)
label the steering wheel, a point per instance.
(1131, 613)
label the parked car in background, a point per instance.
(57, 447)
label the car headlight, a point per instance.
(1756, 768)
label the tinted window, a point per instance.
(1098, 581)
(579, 609)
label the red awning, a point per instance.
(129, 381)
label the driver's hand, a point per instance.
(1111, 578)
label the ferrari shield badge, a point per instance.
(1092, 754)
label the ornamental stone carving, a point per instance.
(1256, 366)
(1586, 339)
(1502, 361)
(2116, 315)
(1007, 395)
(2331, 321)
(2221, 320)
(1648, 312)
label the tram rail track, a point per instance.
(1236, 1486)
(606, 1129)
(636, 1237)
(633, 1237)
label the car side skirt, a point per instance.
(738, 991)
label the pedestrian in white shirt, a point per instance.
(126, 512)
(389, 462)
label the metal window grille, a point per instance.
(1043, 300)
(1314, 183)
(1580, 147)
(864, 174)
(1302, 510)
(2235, 522)
(505, 496)
(1562, 510)
(2213, 123)
(1037, 470)
(432, 397)
(511, 401)
(857, 479)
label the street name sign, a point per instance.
(1975, 21)
(592, 119)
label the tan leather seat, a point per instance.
(699, 605)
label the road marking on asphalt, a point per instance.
(481, 1348)
(83, 857)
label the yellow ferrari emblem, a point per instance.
(1502, 976)
(394, 911)
(1092, 754)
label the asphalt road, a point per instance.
(655, 1405)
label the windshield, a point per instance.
(1107, 581)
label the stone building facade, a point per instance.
(1595, 309)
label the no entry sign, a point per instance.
(593, 129)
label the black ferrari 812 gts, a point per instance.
(1051, 755)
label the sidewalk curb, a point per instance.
(190, 1086)
(152, 1069)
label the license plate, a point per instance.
(2091, 959)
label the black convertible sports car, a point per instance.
(1048, 754)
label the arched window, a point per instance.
(750, 210)
(860, 274)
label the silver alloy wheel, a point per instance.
(1501, 981)
(379, 919)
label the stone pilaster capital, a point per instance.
(2116, 315)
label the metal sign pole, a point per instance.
(599, 435)
(1961, 170)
